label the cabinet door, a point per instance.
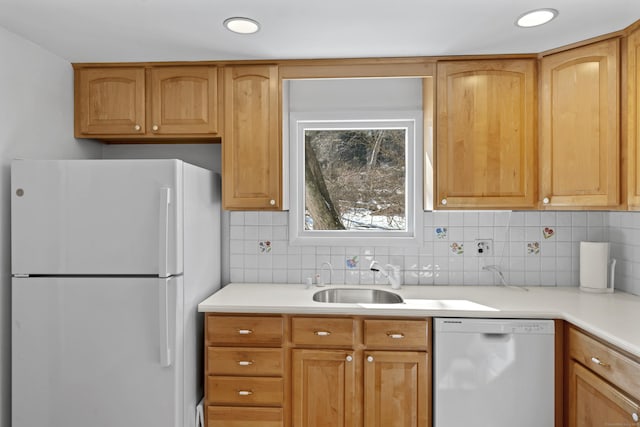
(324, 388)
(396, 389)
(184, 100)
(579, 141)
(485, 150)
(595, 403)
(110, 101)
(633, 119)
(251, 148)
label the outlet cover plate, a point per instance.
(483, 247)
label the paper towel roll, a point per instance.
(594, 264)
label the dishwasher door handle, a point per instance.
(495, 335)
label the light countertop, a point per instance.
(612, 317)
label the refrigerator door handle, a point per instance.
(163, 244)
(165, 350)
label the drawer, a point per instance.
(229, 416)
(395, 334)
(610, 364)
(244, 391)
(266, 362)
(244, 330)
(319, 331)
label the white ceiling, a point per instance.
(166, 30)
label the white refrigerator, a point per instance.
(109, 261)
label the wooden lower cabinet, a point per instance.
(396, 389)
(245, 371)
(317, 371)
(324, 388)
(603, 383)
(593, 402)
(229, 416)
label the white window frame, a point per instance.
(412, 121)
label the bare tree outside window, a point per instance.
(355, 179)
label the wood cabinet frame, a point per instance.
(296, 355)
(141, 111)
(571, 175)
(624, 177)
(486, 157)
(612, 384)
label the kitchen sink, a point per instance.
(357, 296)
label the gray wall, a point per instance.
(36, 121)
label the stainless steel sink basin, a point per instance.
(357, 296)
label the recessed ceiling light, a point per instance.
(536, 17)
(241, 25)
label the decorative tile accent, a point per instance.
(352, 262)
(457, 248)
(264, 246)
(441, 232)
(533, 248)
(548, 232)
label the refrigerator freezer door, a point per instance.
(86, 352)
(96, 217)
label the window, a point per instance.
(355, 175)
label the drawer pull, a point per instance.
(634, 417)
(395, 335)
(245, 362)
(245, 331)
(245, 393)
(322, 333)
(599, 362)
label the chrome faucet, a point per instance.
(391, 272)
(319, 279)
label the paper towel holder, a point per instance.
(589, 281)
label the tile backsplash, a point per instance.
(530, 248)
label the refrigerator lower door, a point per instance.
(97, 217)
(89, 352)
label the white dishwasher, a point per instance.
(493, 372)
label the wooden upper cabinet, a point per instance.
(633, 120)
(579, 130)
(251, 149)
(110, 101)
(134, 104)
(184, 100)
(486, 134)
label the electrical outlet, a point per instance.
(484, 247)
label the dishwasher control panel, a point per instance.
(495, 326)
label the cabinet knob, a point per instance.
(634, 417)
(272, 202)
(597, 361)
(349, 358)
(369, 358)
(444, 201)
(137, 127)
(395, 335)
(546, 200)
(154, 128)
